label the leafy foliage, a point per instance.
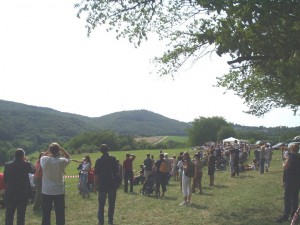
(206, 129)
(261, 37)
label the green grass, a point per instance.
(249, 199)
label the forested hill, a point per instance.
(20, 121)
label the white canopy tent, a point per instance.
(229, 140)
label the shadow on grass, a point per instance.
(220, 186)
(198, 206)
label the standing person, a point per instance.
(128, 172)
(257, 154)
(148, 164)
(168, 161)
(106, 181)
(175, 168)
(211, 164)
(17, 187)
(269, 153)
(186, 180)
(180, 168)
(236, 158)
(198, 174)
(53, 186)
(161, 178)
(86, 167)
(262, 160)
(37, 180)
(291, 184)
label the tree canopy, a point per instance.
(209, 129)
(261, 37)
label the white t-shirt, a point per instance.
(53, 175)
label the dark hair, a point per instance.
(103, 148)
(161, 155)
(19, 153)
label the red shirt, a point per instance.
(127, 164)
(38, 169)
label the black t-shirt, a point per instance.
(148, 164)
(106, 168)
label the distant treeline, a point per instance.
(89, 142)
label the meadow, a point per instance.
(248, 199)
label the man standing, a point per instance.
(18, 187)
(291, 179)
(148, 164)
(106, 181)
(161, 178)
(53, 186)
(269, 153)
(128, 172)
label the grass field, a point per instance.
(249, 199)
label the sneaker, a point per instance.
(183, 203)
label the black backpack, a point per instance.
(190, 170)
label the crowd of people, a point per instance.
(108, 173)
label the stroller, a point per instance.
(148, 186)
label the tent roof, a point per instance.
(231, 139)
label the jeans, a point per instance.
(59, 207)
(83, 183)
(262, 166)
(111, 205)
(11, 207)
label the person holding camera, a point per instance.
(53, 186)
(128, 172)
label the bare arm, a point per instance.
(96, 182)
(66, 155)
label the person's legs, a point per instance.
(101, 203)
(38, 194)
(111, 205)
(287, 201)
(59, 206)
(164, 181)
(295, 200)
(46, 207)
(21, 210)
(131, 181)
(126, 176)
(157, 184)
(262, 166)
(10, 212)
(83, 181)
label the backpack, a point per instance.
(163, 167)
(190, 170)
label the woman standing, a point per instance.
(198, 174)
(37, 180)
(186, 181)
(86, 167)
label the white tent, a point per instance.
(230, 140)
